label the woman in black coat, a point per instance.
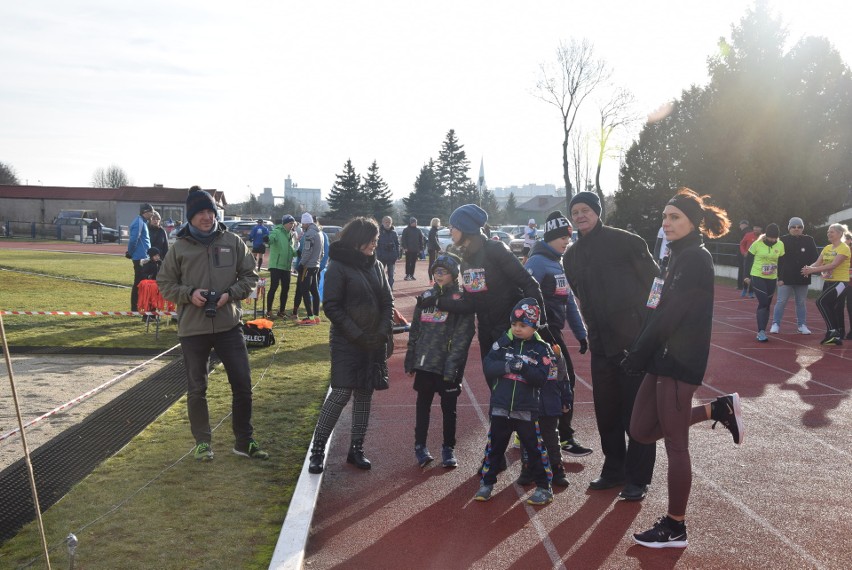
(358, 302)
(673, 348)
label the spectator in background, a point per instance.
(848, 239)
(309, 264)
(207, 258)
(748, 239)
(529, 240)
(259, 235)
(387, 251)
(159, 237)
(282, 242)
(762, 273)
(138, 242)
(833, 264)
(432, 245)
(412, 242)
(95, 228)
(661, 249)
(799, 250)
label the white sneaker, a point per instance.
(803, 329)
(774, 329)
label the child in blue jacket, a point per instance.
(516, 368)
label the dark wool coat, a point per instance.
(356, 300)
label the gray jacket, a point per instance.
(312, 249)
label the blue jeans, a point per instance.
(389, 267)
(784, 292)
(230, 347)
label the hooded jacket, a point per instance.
(312, 247)
(281, 250)
(611, 272)
(545, 265)
(226, 264)
(438, 341)
(357, 300)
(675, 341)
(518, 391)
(412, 239)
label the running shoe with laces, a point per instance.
(774, 329)
(761, 336)
(307, 321)
(831, 337)
(803, 329)
(252, 451)
(540, 496)
(574, 449)
(422, 454)
(666, 533)
(484, 492)
(728, 411)
(203, 451)
(448, 457)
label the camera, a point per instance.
(210, 305)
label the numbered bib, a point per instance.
(768, 269)
(473, 280)
(656, 291)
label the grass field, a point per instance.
(151, 505)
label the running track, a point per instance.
(781, 500)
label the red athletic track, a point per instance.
(781, 500)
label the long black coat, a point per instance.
(357, 300)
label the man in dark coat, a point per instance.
(412, 242)
(611, 272)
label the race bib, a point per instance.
(768, 269)
(654, 296)
(561, 285)
(433, 315)
(473, 280)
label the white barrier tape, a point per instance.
(90, 313)
(71, 403)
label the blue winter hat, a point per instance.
(527, 311)
(199, 200)
(287, 219)
(468, 219)
(589, 198)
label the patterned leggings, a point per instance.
(334, 404)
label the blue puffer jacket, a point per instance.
(545, 265)
(518, 391)
(387, 250)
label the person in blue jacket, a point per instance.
(259, 236)
(138, 242)
(545, 265)
(516, 368)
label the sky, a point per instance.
(238, 96)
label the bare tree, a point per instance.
(580, 158)
(617, 111)
(110, 177)
(565, 84)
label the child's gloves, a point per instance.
(428, 298)
(517, 364)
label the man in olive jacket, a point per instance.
(611, 272)
(206, 274)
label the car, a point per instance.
(80, 226)
(514, 231)
(243, 227)
(502, 236)
(333, 233)
(444, 238)
(517, 244)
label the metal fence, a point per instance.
(38, 230)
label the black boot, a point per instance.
(356, 455)
(317, 460)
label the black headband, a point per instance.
(689, 206)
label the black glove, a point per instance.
(127, 255)
(428, 299)
(629, 366)
(584, 346)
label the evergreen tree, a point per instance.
(346, 200)
(490, 205)
(426, 201)
(451, 169)
(7, 175)
(511, 210)
(377, 194)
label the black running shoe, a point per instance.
(726, 409)
(574, 449)
(665, 533)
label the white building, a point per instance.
(306, 199)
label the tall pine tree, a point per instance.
(427, 200)
(346, 200)
(377, 194)
(451, 169)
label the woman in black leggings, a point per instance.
(673, 348)
(833, 264)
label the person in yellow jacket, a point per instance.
(833, 265)
(762, 270)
